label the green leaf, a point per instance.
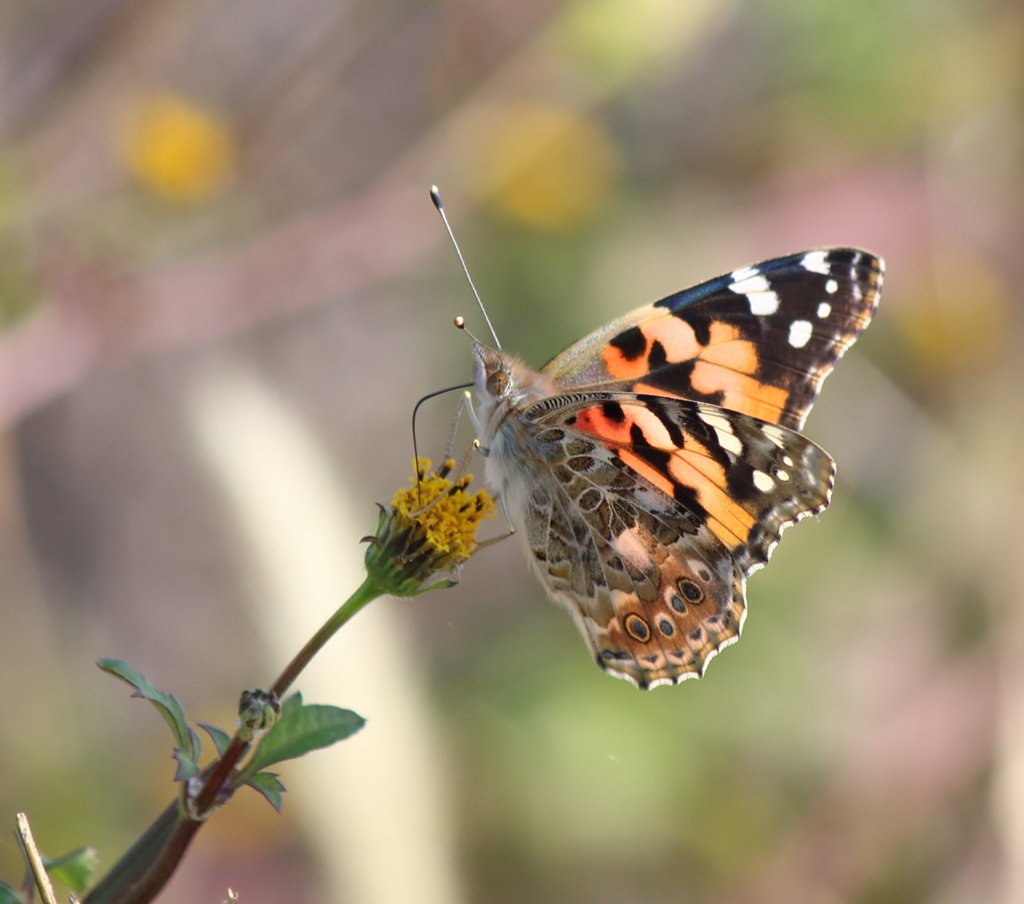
(166, 705)
(269, 785)
(301, 729)
(75, 870)
(195, 750)
(221, 738)
(8, 895)
(186, 766)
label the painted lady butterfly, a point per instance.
(653, 465)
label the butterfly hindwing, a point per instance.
(655, 511)
(759, 340)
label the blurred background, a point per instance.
(222, 289)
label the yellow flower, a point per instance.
(447, 512)
(430, 528)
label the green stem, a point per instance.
(367, 592)
(141, 874)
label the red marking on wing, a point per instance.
(617, 436)
(596, 423)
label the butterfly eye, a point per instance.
(497, 383)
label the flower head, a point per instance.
(430, 528)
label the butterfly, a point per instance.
(653, 465)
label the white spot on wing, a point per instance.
(782, 475)
(815, 262)
(800, 333)
(763, 301)
(763, 304)
(712, 419)
(787, 461)
(777, 436)
(763, 482)
(748, 280)
(729, 441)
(831, 286)
(723, 430)
(629, 545)
(744, 273)
(824, 309)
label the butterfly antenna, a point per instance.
(435, 196)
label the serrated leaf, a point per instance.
(270, 786)
(8, 895)
(186, 766)
(166, 704)
(221, 738)
(75, 870)
(301, 729)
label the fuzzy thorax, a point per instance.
(505, 386)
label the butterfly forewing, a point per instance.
(760, 340)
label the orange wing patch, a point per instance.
(604, 426)
(727, 364)
(741, 393)
(728, 350)
(646, 470)
(613, 427)
(692, 466)
(626, 355)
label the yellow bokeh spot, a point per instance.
(449, 514)
(621, 38)
(960, 324)
(177, 149)
(545, 166)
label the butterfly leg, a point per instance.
(467, 402)
(465, 405)
(461, 469)
(483, 544)
(455, 425)
(508, 521)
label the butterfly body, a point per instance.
(654, 465)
